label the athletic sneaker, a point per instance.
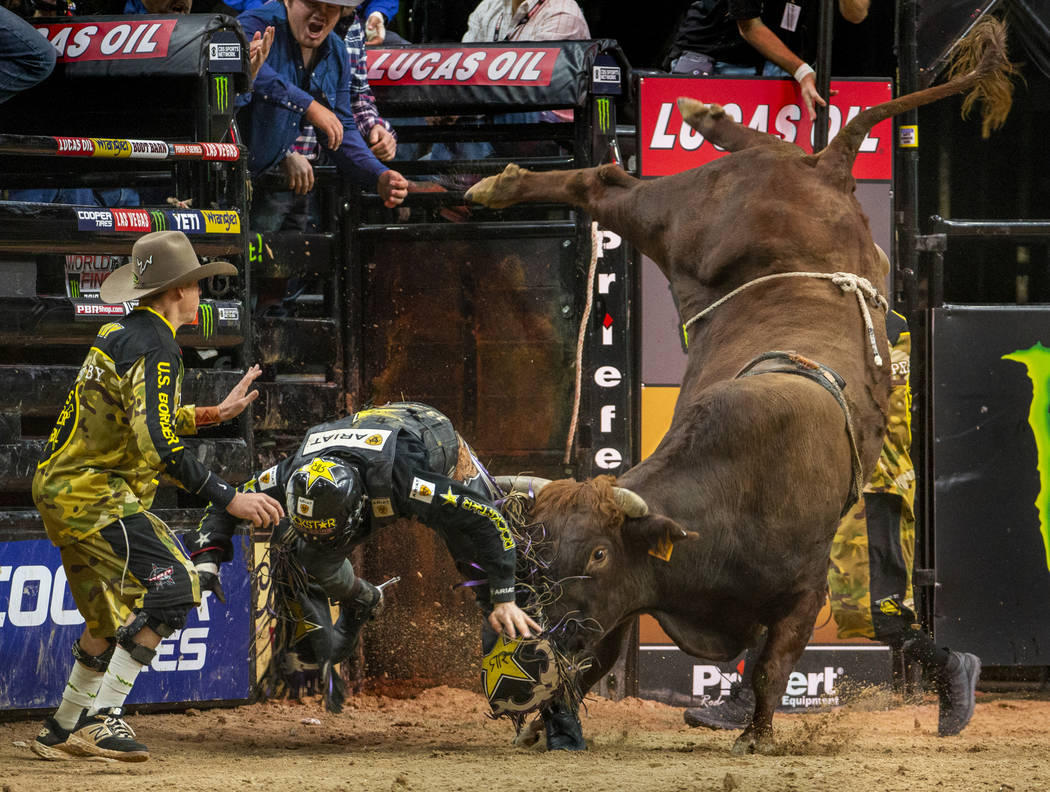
(957, 692)
(106, 734)
(730, 712)
(53, 742)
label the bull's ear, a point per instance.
(659, 533)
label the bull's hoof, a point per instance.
(695, 112)
(752, 743)
(496, 192)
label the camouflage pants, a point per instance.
(126, 568)
(869, 580)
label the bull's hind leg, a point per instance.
(784, 646)
(711, 121)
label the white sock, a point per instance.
(79, 695)
(118, 681)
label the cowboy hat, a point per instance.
(160, 260)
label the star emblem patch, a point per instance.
(319, 469)
(500, 664)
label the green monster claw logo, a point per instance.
(206, 320)
(74, 286)
(255, 249)
(158, 220)
(1036, 360)
(603, 114)
(222, 93)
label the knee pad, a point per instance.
(94, 662)
(163, 622)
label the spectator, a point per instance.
(305, 80)
(729, 37)
(376, 131)
(526, 20)
(26, 57)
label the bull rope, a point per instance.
(579, 343)
(847, 281)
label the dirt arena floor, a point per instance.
(440, 739)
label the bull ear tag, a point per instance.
(663, 548)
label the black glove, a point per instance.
(207, 565)
(210, 582)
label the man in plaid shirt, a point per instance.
(376, 131)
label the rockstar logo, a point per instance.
(202, 539)
(450, 497)
(319, 469)
(501, 663)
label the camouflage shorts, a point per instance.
(130, 565)
(850, 582)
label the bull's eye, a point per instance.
(598, 554)
(599, 558)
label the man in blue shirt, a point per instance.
(305, 80)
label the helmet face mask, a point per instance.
(325, 501)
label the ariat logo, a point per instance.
(222, 93)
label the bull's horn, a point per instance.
(527, 484)
(632, 503)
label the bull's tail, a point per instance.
(981, 67)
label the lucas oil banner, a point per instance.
(668, 145)
(207, 660)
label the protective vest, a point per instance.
(369, 438)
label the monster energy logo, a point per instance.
(603, 107)
(222, 92)
(74, 286)
(1036, 360)
(158, 220)
(255, 250)
(206, 320)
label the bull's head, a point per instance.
(596, 542)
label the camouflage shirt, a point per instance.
(894, 471)
(118, 431)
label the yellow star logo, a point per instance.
(500, 663)
(450, 498)
(303, 626)
(319, 469)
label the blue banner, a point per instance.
(207, 660)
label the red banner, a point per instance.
(93, 41)
(668, 145)
(462, 66)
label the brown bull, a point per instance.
(756, 470)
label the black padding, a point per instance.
(126, 635)
(94, 662)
